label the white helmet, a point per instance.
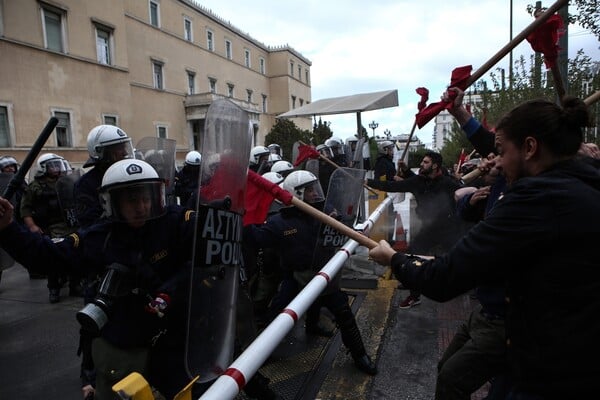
(282, 167)
(273, 158)
(103, 136)
(304, 186)
(6, 161)
(336, 145)
(273, 177)
(257, 152)
(325, 150)
(193, 158)
(132, 182)
(382, 146)
(274, 148)
(50, 163)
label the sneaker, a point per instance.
(54, 295)
(365, 364)
(410, 301)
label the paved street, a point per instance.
(39, 341)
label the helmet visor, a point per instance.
(137, 203)
(118, 151)
(313, 193)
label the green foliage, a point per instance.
(587, 15)
(455, 143)
(285, 133)
(415, 157)
(321, 132)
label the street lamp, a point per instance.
(387, 133)
(373, 125)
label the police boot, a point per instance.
(353, 341)
(258, 388)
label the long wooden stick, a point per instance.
(412, 131)
(513, 43)
(558, 83)
(592, 99)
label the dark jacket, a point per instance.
(540, 240)
(157, 254)
(384, 166)
(87, 203)
(435, 209)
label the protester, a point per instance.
(535, 243)
(434, 193)
(384, 165)
(296, 237)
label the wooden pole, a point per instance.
(513, 43)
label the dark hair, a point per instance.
(558, 128)
(436, 158)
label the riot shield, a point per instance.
(6, 261)
(357, 155)
(312, 165)
(295, 152)
(65, 190)
(217, 252)
(343, 195)
(160, 153)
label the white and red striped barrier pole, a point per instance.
(228, 385)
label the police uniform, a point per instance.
(296, 236)
(158, 254)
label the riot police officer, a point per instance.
(41, 213)
(298, 233)
(187, 180)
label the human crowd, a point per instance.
(520, 236)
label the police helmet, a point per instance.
(383, 146)
(50, 164)
(336, 145)
(282, 167)
(257, 152)
(102, 138)
(7, 161)
(274, 148)
(305, 186)
(133, 184)
(273, 177)
(193, 158)
(325, 150)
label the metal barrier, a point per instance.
(228, 385)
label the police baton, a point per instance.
(18, 179)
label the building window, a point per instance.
(230, 89)
(157, 73)
(247, 57)
(264, 103)
(187, 29)
(210, 43)
(4, 127)
(110, 120)
(154, 13)
(291, 68)
(306, 76)
(261, 63)
(191, 77)
(228, 49)
(63, 129)
(212, 84)
(300, 72)
(293, 101)
(54, 29)
(104, 45)
(249, 95)
(161, 131)
(301, 102)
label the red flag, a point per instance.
(304, 153)
(545, 39)
(424, 93)
(458, 79)
(462, 157)
(260, 193)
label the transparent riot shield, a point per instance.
(357, 155)
(312, 165)
(216, 260)
(344, 194)
(65, 190)
(160, 153)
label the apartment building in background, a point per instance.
(151, 67)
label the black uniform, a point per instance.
(540, 240)
(157, 256)
(384, 166)
(186, 183)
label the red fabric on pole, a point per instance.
(424, 93)
(458, 79)
(304, 153)
(260, 193)
(545, 39)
